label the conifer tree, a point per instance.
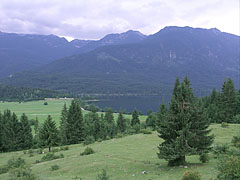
(151, 119)
(228, 101)
(74, 124)
(25, 137)
(1, 132)
(48, 134)
(63, 121)
(184, 128)
(135, 120)
(121, 123)
(36, 126)
(160, 114)
(110, 124)
(10, 131)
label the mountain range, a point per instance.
(129, 62)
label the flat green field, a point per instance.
(35, 109)
(124, 158)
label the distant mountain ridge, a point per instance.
(26, 51)
(149, 66)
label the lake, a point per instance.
(128, 103)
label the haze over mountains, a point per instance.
(122, 63)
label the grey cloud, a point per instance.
(93, 19)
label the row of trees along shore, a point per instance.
(183, 125)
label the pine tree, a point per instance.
(25, 137)
(228, 101)
(48, 134)
(151, 119)
(74, 124)
(10, 131)
(36, 126)
(160, 115)
(110, 124)
(121, 123)
(63, 121)
(184, 128)
(135, 120)
(1, 132)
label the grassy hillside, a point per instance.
(35, 109)
(123, 158)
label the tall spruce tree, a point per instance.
(10, 131)
(184, 129)
(135, 119)
(48, 134)
(74, 124)
(228, 101)
(121, 123)
(110, 124)
(63, 121)
(151, 119)
(160, 114)
(25, 137)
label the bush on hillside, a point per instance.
(87, 151)
(16, 162)
(103, 175)
(204, 158)
(191, 175)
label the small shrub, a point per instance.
(87, 151)
(137, 128)
(103, 175)
(54, 167)
(37, 161)
(39, 151)
(45, 103)
(224, 125)
(55, 150)
(24, 152)
(229, 168)
(31, 155)
(119, 135)
(236, 141)
(89, 140)
(3, 169)
(30, 151)
(204, 158)
(64, 148)
(16, 162)
(221, 149)
(146, 131)
(99, 140)
(108, 138)
(191, 175)
(50, 157)
(22, 173)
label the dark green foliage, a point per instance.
(204, 158)
(63, 122)
(48, 134)
(146, 131)
(16, 162)
(229, 168)
(160, 115)
(103, 175)
(51, 156)
(228, 101)
(191, 175)
(25, 138)
(54, 167)
(74, 124)
(109, 123)
(220, 149)
(22, 173)
(135, 120)
(236, 141)
(3, 169)
(151, 119)
(87, 151)
(121, 123)
(184, 129)
(89, 140)
(91, 126)
(45, 103)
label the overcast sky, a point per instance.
(92, 19)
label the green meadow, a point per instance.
(35, 109)
(123, 158)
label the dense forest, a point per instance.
(19, 94)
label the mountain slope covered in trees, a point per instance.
(206, 56)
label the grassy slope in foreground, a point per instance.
(123, 158)
(35, 109)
